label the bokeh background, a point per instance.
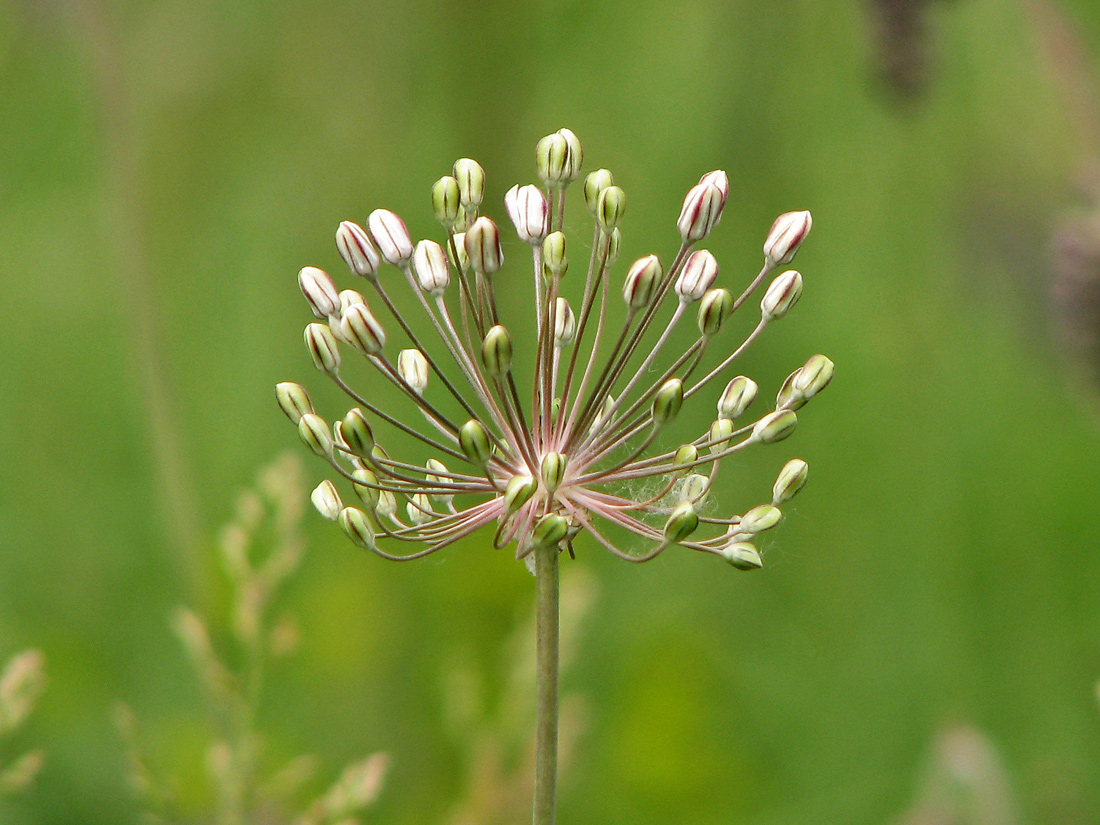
(928, 619)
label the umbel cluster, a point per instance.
(576, 444)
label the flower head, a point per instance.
(574, 448)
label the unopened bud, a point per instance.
(518, 492)
(686, 454)
(791, 479)
(721, 431)
(719, 179)
(368, 490)
(475, 443)
(419, 509)
(391, 236)
(459, 249)
(610, 206)
(565, 323)
(694, 488)
(360, 329)
(430, 265)
(349, 297)
(696, 277)
(357, 434)
(356, 525)
(715, 307)
(641, 280)
(789, 397)
(471, 181)
(527, 207)
(552, 470)
(602, 415)
(552, 159)
(613, 240)
(446, 201)
(323, 348)
(742, 555)
(434, 479)
(667, 402)
(736, 397)
(775, 426)
(293, 400)
(412, 366)
(814, 376)
(549, 531)
(681, 523)
(326, 500)
(786, 235)
(782, 294)
(701, 211)
(482, 242)
(594, 184)
(319, 290)
(496, 351)
(387, 504)
(553, 254)
(576, 155)
(759, 519)
(313, 430)
(357, 249)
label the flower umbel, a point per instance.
(562, 455)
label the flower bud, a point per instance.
(360, 329)
(527, 207)
(788, 397)
(518, 492)
(742, 555)
(782, 294)
(446, 201)
(349, 297)
(482, 242)
(759, 519)
(721, 431)
(786, 235)
(357, 434)
(696, 277)
(681, 523)
(594, 184)
(471, 181)
(613, 239)
(714, 309)
(610, 206)
(552, 470)
(694, 488)
(367, 491)
(319, 290)
(565, 323)
(357, 249)
(459, 249)
(419, 509)
(550, 530)
(293, 400)
(412, 366)
(667, 402)
(430, 265)
(313, 430)
(553, 254)
(736, 397)
(576, 155)
(391, 236)
(686, 454)
(474, 442)
(434, 479)
(719, 179)
(701, 211)
(791, 479)
(552, 159)
(496, 351)
(322, 348)
(601, 416)
(641, 281)
(775, 426)
(814, 376)
(326, 500)
(356, 525)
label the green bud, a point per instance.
(446, 201)
(360, 329)
(435, 480)
(565, 323)
(814, 376)
(313, 430)
(720, 433)
(694, 488)
(681, 523)
(687, 454)
(356, 525)
(553, 254)
(549, 530)
(610, 206)
(601, 416)
(357, 433)
(327, 500)
(496, 351)
(641, 280)
(378, 454)
(463, 262)
(470, 178)
(475, 443)
(594, 184)
(322, 347)
(782, 294)
(367, 494)
(518, 492)
(552, 470)
(667, 402)
(715, 307)
(775, 426)
(293, 400)
(742, 555)
(419, 509)
(736, 397)
(482, 242)
(789, 396)
(761, 518)
(614, 241)
(792, 478)
(552, 160)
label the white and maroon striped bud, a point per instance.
(391, 236)
(736, 397)
(814, 376)
(718, 178)
(482, 242)
(782, 294)
(360, 329)
(701, 211)
(349, 297)
(786, 235)
(463, 260)
(565, 323)
(412, 366)
(696, 277)
(293, 400)
(430, 265)
(641, 280)
(357, 250)
(471, 182)
(527, 207)
(319, 290)
(791, 479)
(327, 500)
(322, 347)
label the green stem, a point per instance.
(546, 712)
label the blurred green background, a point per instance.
(167, 167)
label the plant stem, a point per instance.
(546, 690)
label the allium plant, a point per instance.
(569, 451)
